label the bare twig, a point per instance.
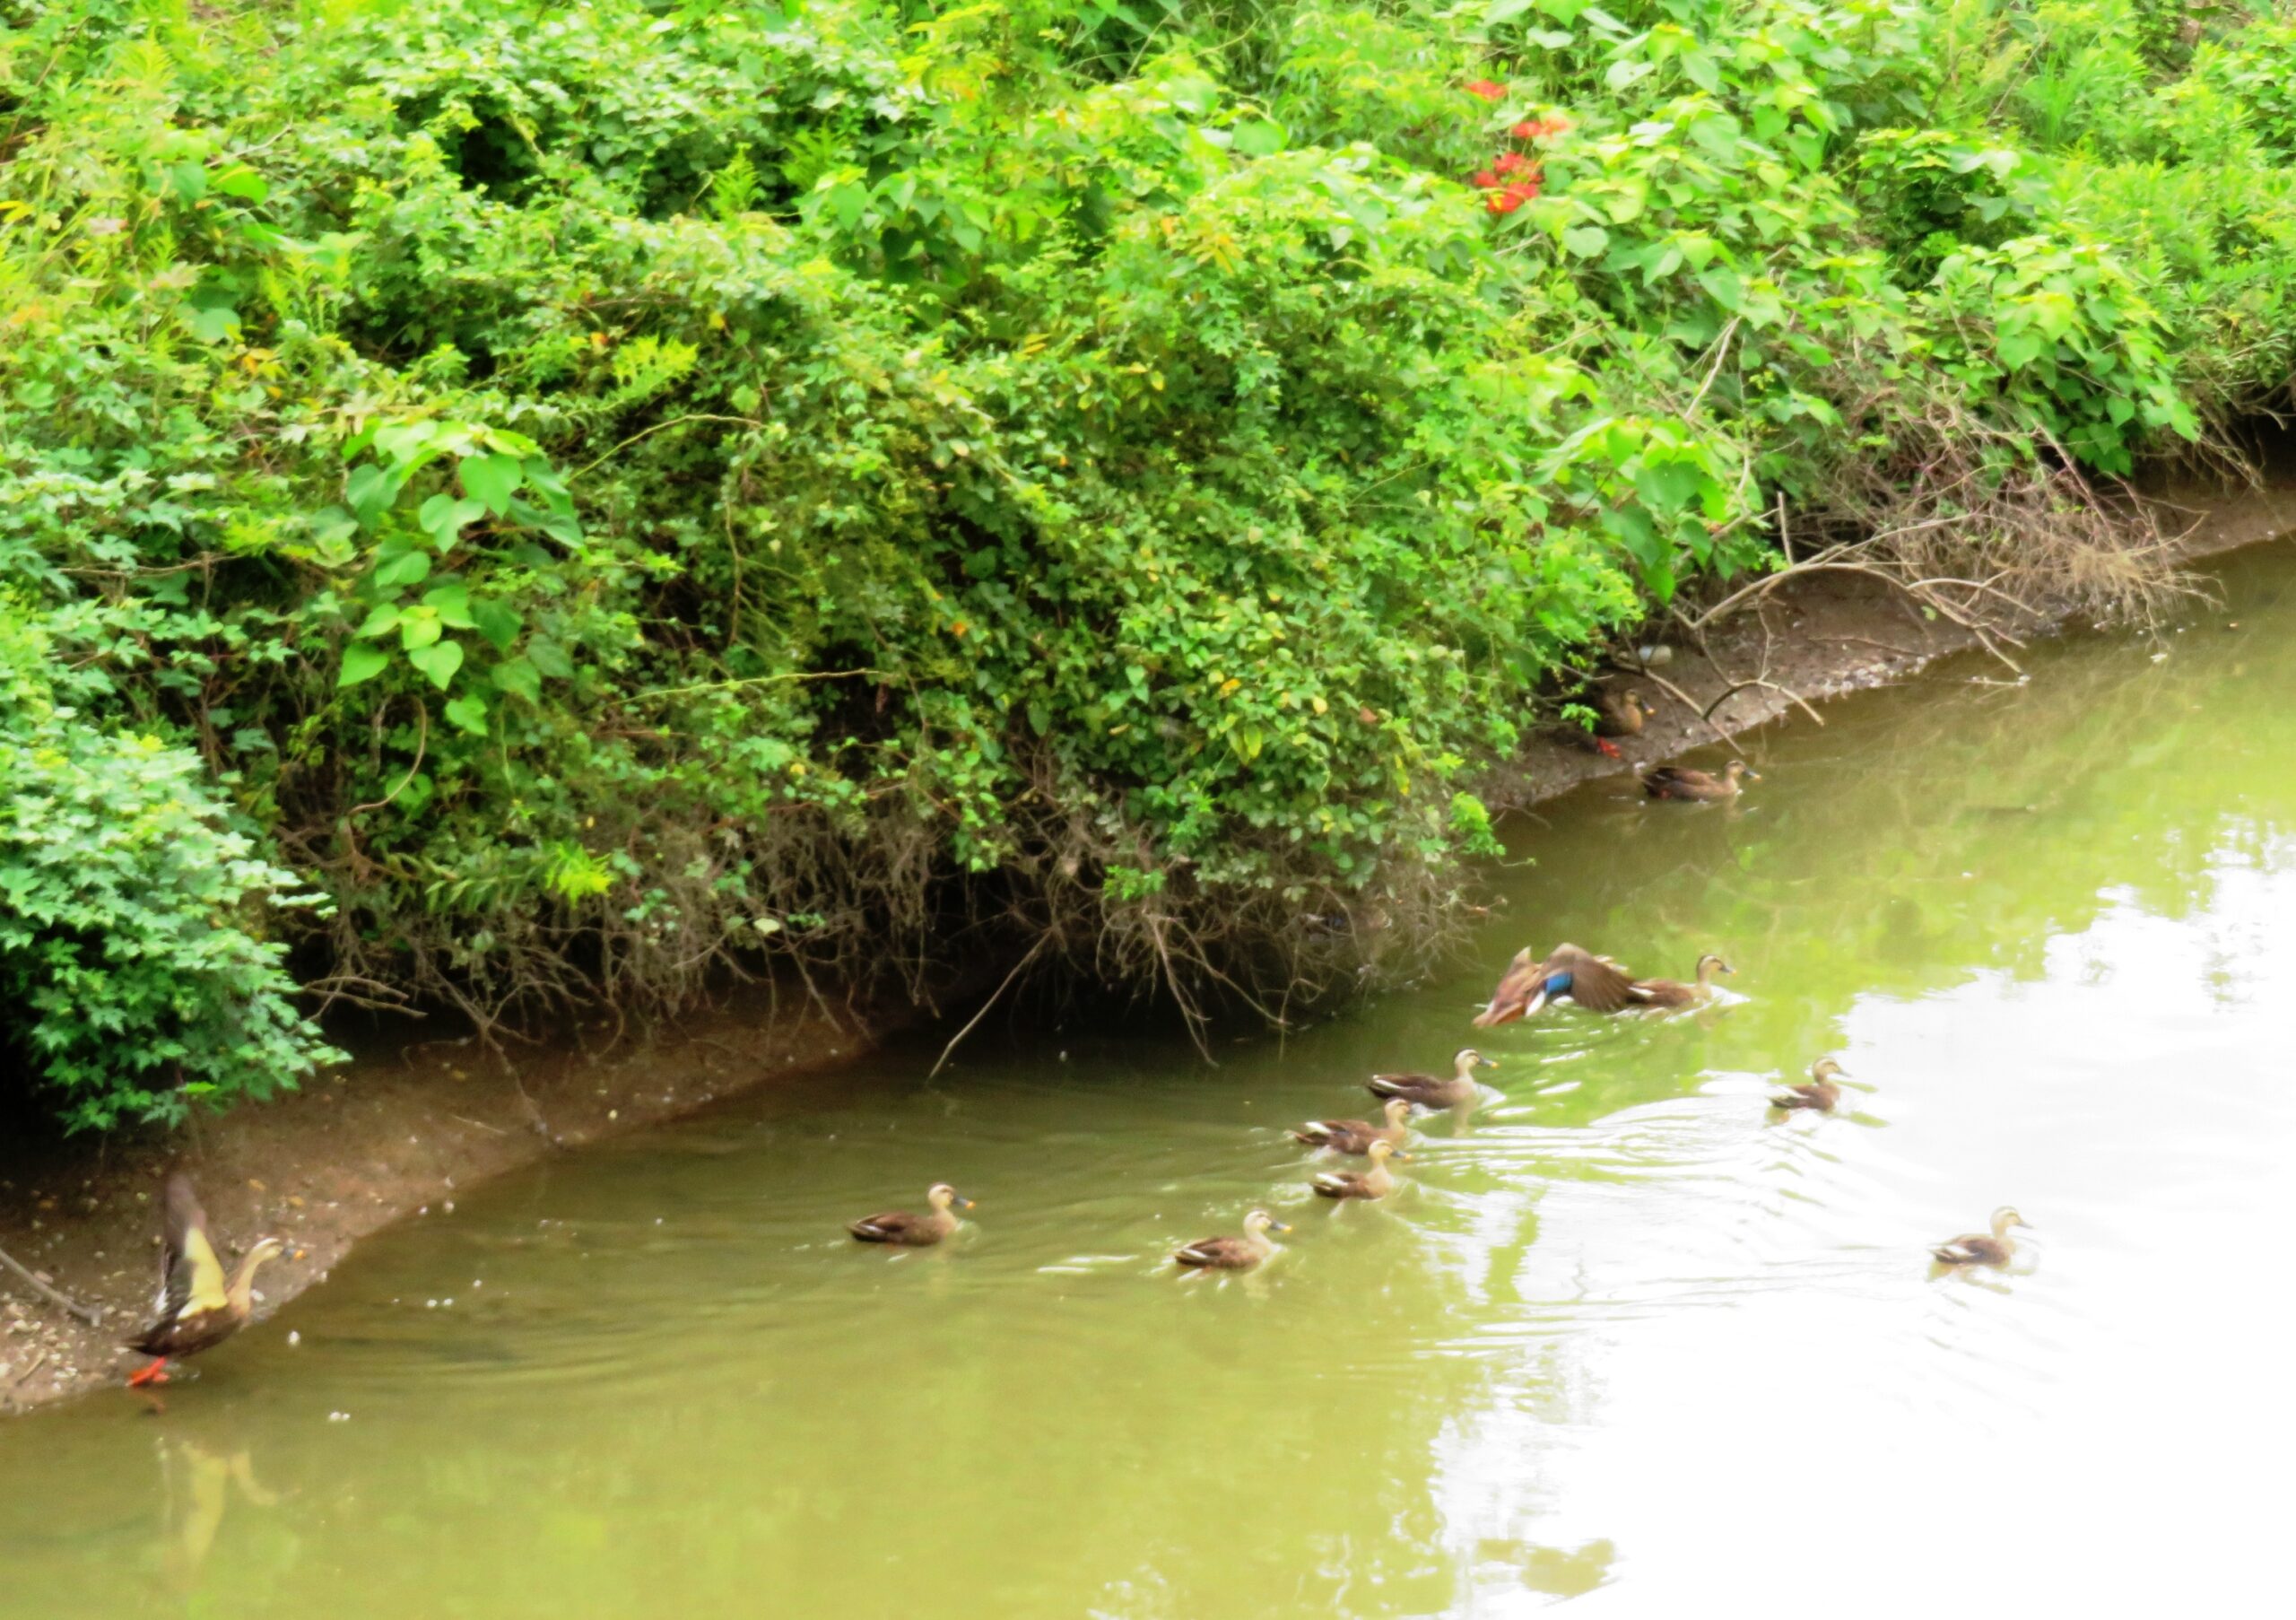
(950, 1050)
(86, 1313)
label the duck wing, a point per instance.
(1346, 1136)
(889, 1227)
(1971, 1248)
(191, 1276)
(1597, 983)
(1210, 1251)
(1407, 1086)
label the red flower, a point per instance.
(1486, 179)
(1540, 130)
(1508, 162)
(1513, 196)
(1484, 87)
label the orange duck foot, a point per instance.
(156, 1373)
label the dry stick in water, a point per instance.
(85, 1313)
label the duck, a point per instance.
(197, 1310)
(1622, 715)
(1355, 1136)
(1376, 1182)
(1819, 1091)
(1996, 1247)
(1233, 1254)
(1594, 982)
(1674, 993)
(915, 1230)
(1680, 782)
(1429, 1091)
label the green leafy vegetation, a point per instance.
(612, 495)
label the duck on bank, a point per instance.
(197, 1308)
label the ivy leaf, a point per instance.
(408, 568)
(369, 492)
(550, 658)
(379, 622)
(1586, 240)
(418, 627)
(1265, 137)
(492, 479)
(361, 662)
(468, 712)
(519, 677)
(438, 661)
(451, 602)
(498, 621)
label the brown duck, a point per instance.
(1356, 1135)
(1996, 1247)
(1376, 1182)
(1233, 1254)
(1429, 1091)
(908, 1231)
(1674, 993)
(1821, 1090)
(1680, 782)
(1622, 715)
(197, 1308)
(1594, 982)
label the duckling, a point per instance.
(1376, 1182)
(1233, 1254)
(1594, 982)
(1981, 1248)
(1820, 1091)
(1429, 1091)
(1680, 782)
(1354, 1136)
(915, 1230)
(197, 1308)
(1673, 993)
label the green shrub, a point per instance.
(612, 496)
(135, 976)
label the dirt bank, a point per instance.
(416, 1117)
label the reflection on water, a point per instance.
(1626, 1338)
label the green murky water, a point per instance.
(1624, 1339)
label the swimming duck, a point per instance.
(1233, 1254)
(1674, 993)
(1820, 1091)
(1376, 1182)
(197, 1308)
(914, 1230)
(1354, 1136)
(1982, 1249)
(1594, 982)
(1680, 782)
(1429, 1091)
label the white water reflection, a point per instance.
(1738, 1371)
